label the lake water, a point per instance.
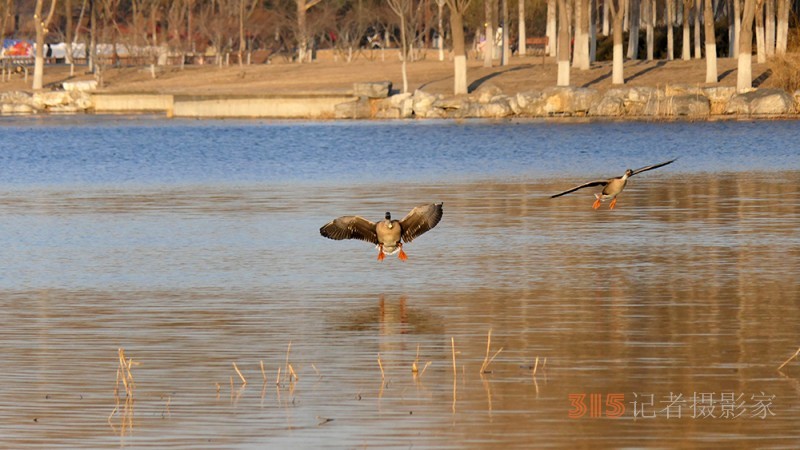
(194, 245)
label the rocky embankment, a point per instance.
(375, 101)
(488, 101)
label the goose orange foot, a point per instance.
(613, 202)
(381, 255)
(402, 255)
(596, 203)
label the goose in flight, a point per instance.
(388, 235)
(613, 186)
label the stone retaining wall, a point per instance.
(373, 101)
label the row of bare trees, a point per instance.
(154, 30)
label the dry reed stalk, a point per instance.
(263, 373)
(239, 372)
(319, 375)
(278, 378)
(535, 366)
(790, 358)
(293, 374)
(414, 368)
(486, 359)
(286, 367)
(424, 368)
(453, 347)
(380, 365)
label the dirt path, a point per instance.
(327, 75)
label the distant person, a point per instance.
(49, 52)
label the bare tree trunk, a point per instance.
(711, 42)
(488, 47)
(737, 26)
(650, 20)
(633, 36)
(440, 30)
(457, 8)
(744, 78)
(563, 44)
(551, 31)
(770, 28)
(618, 17)
(521, 35)
(303, 6)
(686, 53)
(401, 8)
(698, 54)
(41, 32)
(592, 31)
(580, 53)
(670, 29)
(761, 53)
(733, 38)
(606, 26)
(505, 54)
(782, 32)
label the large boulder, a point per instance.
(398, 106)
(718, 97)
(608, 106)
(358, 108)
(555, 101)
(82, 85)
(49, 99)
(761, 102)
(486, 92)
(422, 104)
(378, 89)
(496, 108)
(690, 105)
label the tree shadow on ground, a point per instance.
(477, 83)
(645, 70)
(762, 78)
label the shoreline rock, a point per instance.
(376, 101)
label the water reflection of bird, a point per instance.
(386, 234)
(613, 186)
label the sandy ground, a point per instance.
(430, 74)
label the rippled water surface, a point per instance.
(194, 245)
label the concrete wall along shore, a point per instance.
(375, 101)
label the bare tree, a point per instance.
(616, 8)
(744, 76)
(782, 32)
(761, 52)
(563, 44)
(650, 19)
(403, 9)
(41, 25)
(440, 30)
(505, 54)
(770, 27)
(711, 42)
(246, 8)
(521, 48)
(697, 47)
(457, 9)
(633, 37)
(177, 16)
(303, 55)
(488, 47)
(580, 52)
(686, 52)
(671, 29)
(551, 31)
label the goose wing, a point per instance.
(350, 227)
(420, 220)
(654, 166)
(584, 185)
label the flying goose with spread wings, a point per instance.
(612, 186)
(388, 235)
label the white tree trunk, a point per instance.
(488, 47)
(617, 67)
(592, 31)
(581, 50)
(460, 72)
(563, 44)
(761, 50)
(782, 33)
(606, 27)
(650, 20)
(737, 26)
(440, 44)
(770, 28)
(551, 31)
(521, 47)
(698, 5)
(686, 51)
(505, 55)
(711, 42)
(670, 30)
(744, 77)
